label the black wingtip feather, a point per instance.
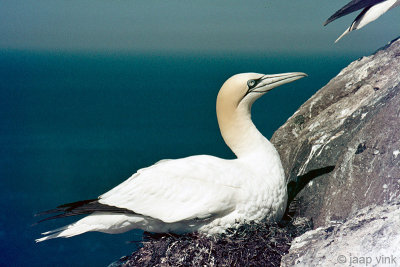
(350, 8)
(81, 208)
(76, 204)
(66, 207)
(327, 22)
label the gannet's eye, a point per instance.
(251, 83)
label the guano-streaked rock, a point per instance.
(370, 238)
(353, 124)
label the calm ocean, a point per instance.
(74, 125)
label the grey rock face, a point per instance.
(353, 123)
(370, 238)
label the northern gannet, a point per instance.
(198, 193)
(372, 9)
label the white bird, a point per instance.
(198, 193)
(372, 9)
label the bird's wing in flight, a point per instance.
(176, 190)
(351, 7)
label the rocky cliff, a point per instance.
(341, 154)
(353, 125)
(369, 238)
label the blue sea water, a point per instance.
(74, 125)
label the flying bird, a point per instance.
(197, 193)
(372, 9)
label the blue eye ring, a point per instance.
(251, 83)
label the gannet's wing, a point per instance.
(351, 7)
(176, 190)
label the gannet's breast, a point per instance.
(201, 193)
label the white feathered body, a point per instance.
(374, 13)
(198, 193)
(370, 15)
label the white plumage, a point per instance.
(198, 193)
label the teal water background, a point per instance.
(74, 125)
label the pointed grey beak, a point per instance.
(270, 81)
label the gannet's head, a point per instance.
(234, 102)
(243, 89)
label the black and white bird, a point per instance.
(198, 193)
(372, 9)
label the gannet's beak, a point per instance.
(268, 82)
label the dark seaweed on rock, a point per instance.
(249, 245)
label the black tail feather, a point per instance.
(81, 208)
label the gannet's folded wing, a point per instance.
(351, 7)
(171, 193)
